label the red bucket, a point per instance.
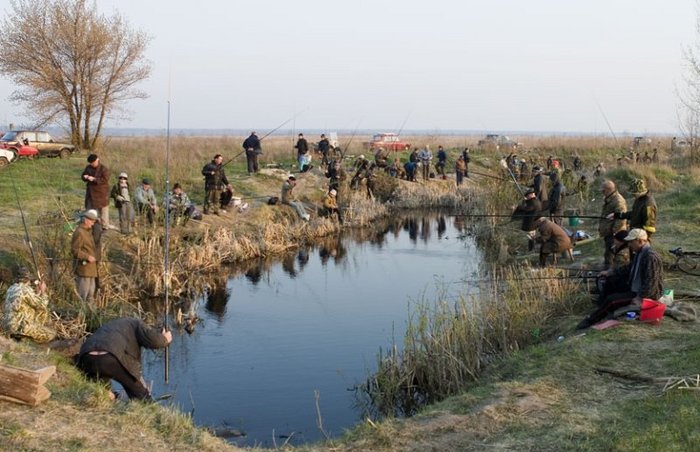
(652, 311)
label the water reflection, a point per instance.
(277, 331)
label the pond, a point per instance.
(282, 345)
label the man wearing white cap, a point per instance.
(121, 193)
(643, 276)
(85, 256)
(330, 205)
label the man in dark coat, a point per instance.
(214, 182)
(539, 184)
(643, 213)
(553, 238)
(529, 210)
(114, 352)
(252, 148)
(96, 178)
(302, 147)
(85, 256)
(324, 147)
(643, 277)
(555, 203)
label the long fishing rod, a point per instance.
(607, 122)
(27, 239)
(166, 250)
(486, 175)
(264, 136)
(498, 215)
(347, 146)
(520, 189)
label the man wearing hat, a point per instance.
(330, 205)
(84, 254)
(146, 202)
(643, 213)
(643, 278)
(553, 238)
(121, 193)
(613, 202)
(289, 198)
(529, 210)
(96, 178)
(539, 184)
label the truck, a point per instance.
(46, 146)
(387, 141)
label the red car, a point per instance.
(388, 141)
(21, 149)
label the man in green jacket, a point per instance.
(84, 254)
(643, 213)
(613, 202)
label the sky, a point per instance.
(490, 65)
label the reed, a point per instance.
(449, 342)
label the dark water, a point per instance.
(312, 322)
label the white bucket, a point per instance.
(235, 201)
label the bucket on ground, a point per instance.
(652, 311)
(574, 220)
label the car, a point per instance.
(388, 141)
(495, 141)
(6, 157)
(641, 142)
(41, 141)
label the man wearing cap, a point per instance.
(529, 210)
(539, 184)
(643, 213)
(26, 309)
(121, 194)
(146, 202)
(214, 182)
(330, 206)
(643, 279)
(555, 202)
(96, 178)
(289, 198)
(552, 237)
(252, 149)
(613, 202)
(84, 254)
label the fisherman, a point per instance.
(643, 277)
(467, 159)
(577, 163)
(214, 182)
(555, 203)
(361, 165)
(460, 169)
(96, 178)
(26, 311)
(396, 169)
(425, 156)
(289, 198)
(654, 156)
(552, 237)
(538, 183)
(599, 170)
(114, 352)
(610, 283)
(582, 190)
(336, 175)
(179, 205)
(413, 156)
(530, 209)
(84, 254)
(441, 163)
(146, 202)
(381, 158)
(410, 168)
(643, 213)
(550, 162)
(302, 148)
(607, 228)
(252, 149)
(330, 206)
(324, 147)
(121, 193)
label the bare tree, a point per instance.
(689, 94)
(71, 63)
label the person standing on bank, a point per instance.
(555, 204)
(96, 178)
(324, 146)
(146, 202)
(121, 193)
(114, 352)
(539, 184)
(467, 159)
(302, 148)
(613, 202)
(529, 210)
(84, 254)
(252, 148)
(643, 213)
(460, 169)
(425, 156)
(214, 182)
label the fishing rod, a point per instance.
(520, 189)
(166, 250)
(497, 215)
(27, 239)
(607, 122)
(264, 136)
(347, 146)
(487, 175)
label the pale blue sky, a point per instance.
(537, 65)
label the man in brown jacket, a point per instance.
(85, 256)
(96, 178)
(552, 237)
(607, 228)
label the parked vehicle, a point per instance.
(494, 141)
(41, 141)
(388, 141)
(641, 142)
(6, 157)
